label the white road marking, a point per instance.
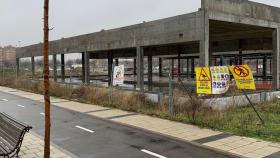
(20, 106)
(152, 153)
(85, 129)
(42, 113)
(4, 99)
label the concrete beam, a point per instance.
(275, 58)
(220, 16)
(62, 68)
(54, 68)
(119, 53)
(33, 67)
(178, 29)
(243, 8)
(140, 68)
(248, 44)
(235, 35)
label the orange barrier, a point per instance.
(263, 86)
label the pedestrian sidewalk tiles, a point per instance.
(33, 147)
(236, 145)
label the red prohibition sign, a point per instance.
(241, 71)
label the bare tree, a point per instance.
(46, 80)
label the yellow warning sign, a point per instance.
(203, 80)
(243, 77)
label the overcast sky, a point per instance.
(21, 20)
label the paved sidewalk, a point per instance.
(33, 147)
(241, 146)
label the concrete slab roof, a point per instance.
(229, 20)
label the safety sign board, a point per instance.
(243, 77)
(118, 75)
(220, 79)
(203, 80)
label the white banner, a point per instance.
(118, 75)
(220, 79)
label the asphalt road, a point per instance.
(90, 137)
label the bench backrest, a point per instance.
(11, 132)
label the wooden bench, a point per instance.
(11, 135)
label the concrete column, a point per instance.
(240, 58)
(86, 68)
(134, 66)
(140, 68)
(62, 68)
(230, 61)
(236, 60)
(33, 67)
(221, 60)
(150, 72)
(179, 63)
(83, 68)
(264, 66)
(257, 66)
(172, 67)
(117, 62)
(160, 67)
(110, 64)
(54, 68)
(211, 58)
(192, 67)
(275, 58)
(17, 68)
(204, 42)
(187, 63)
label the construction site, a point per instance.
(221, 32)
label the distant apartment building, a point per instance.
(8, 55)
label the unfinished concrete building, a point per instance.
(221, 32)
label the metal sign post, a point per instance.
(244, 80)
(250, 102)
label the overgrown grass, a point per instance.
(240, 121)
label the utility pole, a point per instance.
(46, 80)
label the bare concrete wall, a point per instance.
(243, 8)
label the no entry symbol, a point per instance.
(241, 71)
